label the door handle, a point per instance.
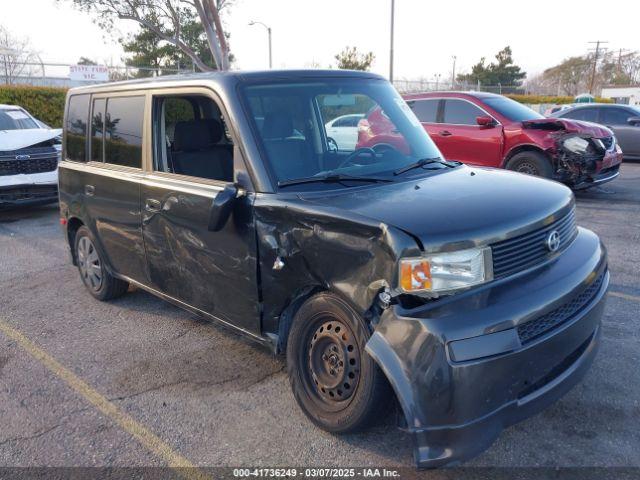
(89, 190)
(152, 205)
(445, 133)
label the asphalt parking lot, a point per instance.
(139, 382)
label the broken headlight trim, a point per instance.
(446, 272)
(576, 145)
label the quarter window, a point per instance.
(123, 131)
(460, 112)
(76, 128)
(425, 110)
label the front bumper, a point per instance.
(29, 189)
(458, 366)
(608, 169)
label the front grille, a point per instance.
(29, 193)
(527, 250)
(532, 329)
(40, 159)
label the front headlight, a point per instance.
(576, 145)
(446, 272)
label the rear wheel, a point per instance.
(93, 273)
(531, 163)
(335, 382)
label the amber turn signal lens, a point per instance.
(415, 275)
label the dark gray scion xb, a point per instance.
(468, 294)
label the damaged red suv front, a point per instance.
(491, 130)
(583, 154)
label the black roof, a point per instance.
(253, 75)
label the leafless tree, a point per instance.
(17, 59)
(162, 17)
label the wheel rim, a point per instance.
(528, 168)
(89, 264)
(334, 362)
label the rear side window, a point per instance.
(460, 112)
(425, 110)
(76, 128)
(123, 131)
(97, 130)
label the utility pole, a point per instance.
(595, 64)
(393, 8)
(453, 73)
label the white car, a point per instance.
(29, 156)
(343, 131)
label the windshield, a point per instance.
(514, 111)
(337, 127)
(16, 120)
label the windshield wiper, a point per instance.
(332, 178)
(422, 162)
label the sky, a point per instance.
(309, 33)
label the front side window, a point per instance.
(616, 116)
(425, 110)
(461, 112)
(295, 126)
(190, 138)
(584, 114)
(76, 128)
(123, 131)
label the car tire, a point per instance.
(100, 283)
(531, 163)
(327, 336)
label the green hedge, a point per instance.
(538, 99)
(44, 103)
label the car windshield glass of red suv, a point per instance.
(514, 111)
(15, 120)
(339, 131)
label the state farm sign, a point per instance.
(89, 73)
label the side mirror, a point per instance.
(635, 121)
(221, 208)
(485, 121)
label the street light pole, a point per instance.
(269, 33)
(393, 8)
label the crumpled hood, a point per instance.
(17, 139)
(571, 126)
(457, 208)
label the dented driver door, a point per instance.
(214, 272)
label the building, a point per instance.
(625, 95)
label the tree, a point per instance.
(164, 18)
(16, 56)
(86, 61)
(570, 77)
(350, 59)
(504, 72)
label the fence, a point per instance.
(416, 86)
(43, 74)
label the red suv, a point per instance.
(491, 130)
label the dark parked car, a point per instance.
(624, 120)
(469, 294)
(490, 130)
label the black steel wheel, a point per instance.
(335, 382)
